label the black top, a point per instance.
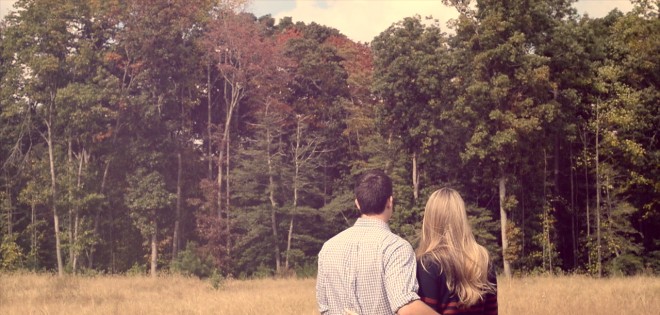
(433, 291)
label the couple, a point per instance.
(368, 270)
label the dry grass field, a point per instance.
(45, 294)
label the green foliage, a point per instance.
(307, 270)
(217, 280)
(191, 262)
(263, 271)
(525, 91)
(11, 255)
(146, 196)
(137, 270)
(626, 265)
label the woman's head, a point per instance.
(447, 241)
(445, 219)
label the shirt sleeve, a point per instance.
(400, 275)
(321, 298)
(429, 284)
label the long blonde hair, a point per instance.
(448, 241)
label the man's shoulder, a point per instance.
(338, 238)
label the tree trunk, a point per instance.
(231, 102)
(503, 222)
(97, 217)
(288, 244)
(598, 247)
(177, 215)
(208, 121)
(415, 176)
(227, 199)
(523, 206)
(586, 192)
(53, 187)
(154, 250)
(544, 216)
(69, 165)
(33, 234)
(76, 211)
(573, 212)
(296, 174)
(271, 197)
(10, 211)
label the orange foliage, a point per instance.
(101, 136)
(287, 35)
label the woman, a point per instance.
(452, 269)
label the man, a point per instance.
(366, 269)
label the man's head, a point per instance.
(373, 191)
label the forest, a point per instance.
(155, 136)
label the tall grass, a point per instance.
(579, 295)
(47, 294)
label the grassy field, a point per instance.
(45, 294)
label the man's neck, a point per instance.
(381, 217)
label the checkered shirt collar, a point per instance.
(371, 222)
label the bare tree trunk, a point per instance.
(586, 191)
(69, 165)
(33, 231)
(573, 211)
(523, 206)
(209, 133)
(296, 160)
(609, 203)
(273, 218)
(177, 219)
(288, 243)
(415, 176)
(97, 217)
(295, 206)
(388, 163)
(503, 222)
(53, 187)
(154, 250)
(227, 200)
(598, 242)
(232, 102)
(271, 196)
(545, 211)
(83, 157)
(10, 211)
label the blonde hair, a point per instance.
(448, 241)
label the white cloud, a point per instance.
(5, 7)
(600, 8)
(362, 20)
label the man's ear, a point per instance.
(357, 204)
(390, 201)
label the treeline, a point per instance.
(181, 135)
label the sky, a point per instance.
(362, 20)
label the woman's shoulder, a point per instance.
(429, 264)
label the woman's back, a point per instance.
(433, 290)
(453, 269)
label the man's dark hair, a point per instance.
(372, 190)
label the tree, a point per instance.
(409, 67)
(51, 48)
(146, 197)
(506, 84)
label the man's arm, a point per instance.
(321, 298)
(416, 307)
(401, 281)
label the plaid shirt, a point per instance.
(366, 269)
